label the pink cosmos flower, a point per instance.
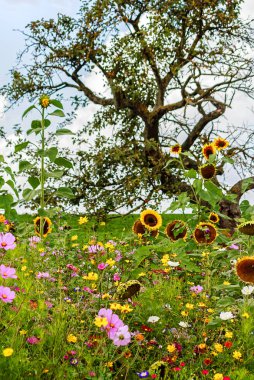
(33, 340)
(196, 289)
(7, 272)
(122, 337)
(7, 241)
(6, 294)
(102, 266)
(114, 322)
(116, 277)
(43, 275)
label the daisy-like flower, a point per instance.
(247, 290)
(176, 230)
(83, 220)
(139, 228)
(7, 241)
(226, 315)
(245, 269)
(151, 219)
(208, 150)
(207, 171)
(122, 337)
(7, 272)
(205, 233)
(175, 149)
(220, 143)
(6, 294)
(153, 319)
(173, 264)
(46, 228)
(213, 217)
(247, 228)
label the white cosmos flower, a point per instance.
(184, 324)
(225, 315)
(247, 290)
(173, 263)
(153, 319)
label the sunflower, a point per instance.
(245, 269)
(213, 217)
(128, 289)
(139, 228)
(208, 149)
(220, 143)
(205, 233)
(151, 219)
(207, 171)
(46, 225)
(247, 228)
(176, 230)
(175, 149)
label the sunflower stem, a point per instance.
(42, 203)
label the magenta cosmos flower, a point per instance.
(6, 294)
(122, 337)
(7, 272)
(7, 241)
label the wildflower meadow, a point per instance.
(151, 295)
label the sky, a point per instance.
(16, 14)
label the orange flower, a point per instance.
(220, 143)
(208, 150)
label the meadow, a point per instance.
(97, 300)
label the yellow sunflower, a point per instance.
(247, 228)
(213, 217)
(208, 150)
(139, 228)
(245, 269)
(46, 225)
(175, 149)
(176, 230)
(220, 143)
(205, 233)
(151, 219)
(207, 171)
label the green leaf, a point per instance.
(190, 173)
(25, 165)
(28, 110)
(51, 153)
(56, 103)
(12, 186)
(34, 182)
(60, 161)
(29, 194)
(57, 113)
(54, 174)
(65, 192)
(64, 131)
(21, 146)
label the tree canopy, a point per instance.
(170, 70)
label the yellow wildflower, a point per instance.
(100, 321)
(71, 338)
(8, 352)
(83, 220)
(171, 348)
(237, 355)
